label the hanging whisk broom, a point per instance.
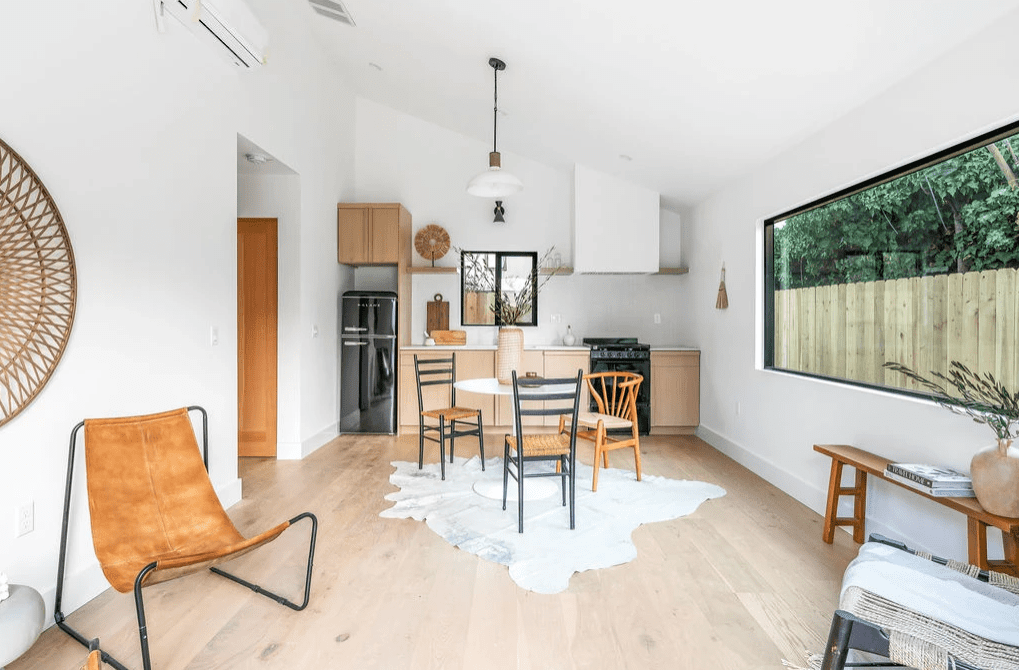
(723, 298)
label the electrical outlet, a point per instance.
(557, 318)
(213, 336)
(26, 518)
(658, 318)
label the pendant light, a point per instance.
(493, 182)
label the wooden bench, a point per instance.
(867, 463)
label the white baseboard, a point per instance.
(88, 582)
(813, 496)
(231, 493)
(295, 451)
(808, 493)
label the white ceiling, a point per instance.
(696, 92)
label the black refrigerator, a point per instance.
(368, 362)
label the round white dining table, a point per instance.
(535, 489)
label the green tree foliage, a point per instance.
(955, 216)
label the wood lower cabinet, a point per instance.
(530, 361)
(566, 364)
(470, 364)
(497, 412)
(675, 392)
(369, 233)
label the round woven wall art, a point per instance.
(37, 284)
(432, 242)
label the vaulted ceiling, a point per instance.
(694, 93)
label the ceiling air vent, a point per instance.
(333, 10)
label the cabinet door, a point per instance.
(433, 397)
(385, 234)
(530, 361)
(566, 364)
(352, 235)
(476, 365)
(675, 388)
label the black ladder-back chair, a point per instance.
(442, 371)
(560, 447)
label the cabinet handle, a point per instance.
(355, 344)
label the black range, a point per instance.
(625, 354)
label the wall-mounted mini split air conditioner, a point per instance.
(226, 25)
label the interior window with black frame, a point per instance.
(916, 267)
(499, 288)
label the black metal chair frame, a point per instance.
(850, 632)
(433, 376)
(58, 615)
(566, 462)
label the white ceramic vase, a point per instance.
(995, 472)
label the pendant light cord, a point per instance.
(495, 112)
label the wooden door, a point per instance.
(352, 238)
(257, 245)
(385, 234)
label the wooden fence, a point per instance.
(850, 330)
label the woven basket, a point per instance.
(509, 353)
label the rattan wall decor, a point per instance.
(38, 285)
(432, 242)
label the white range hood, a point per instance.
(615, 225)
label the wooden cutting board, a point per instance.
(438, 315)
(449, 337)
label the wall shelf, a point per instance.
(562, 270)
(672, 271)
(429, 270)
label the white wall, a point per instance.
(783, 415)
(426, 168)
(134, 134)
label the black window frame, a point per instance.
(499, 255)
(768, 247)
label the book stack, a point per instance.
(934, 480)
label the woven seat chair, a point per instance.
(154, 513)
(615, 394)
(560, 448)
(442, 372)
(924, 612)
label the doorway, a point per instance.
(257, 316)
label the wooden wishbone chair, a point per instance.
(155, 515)
(615, 394)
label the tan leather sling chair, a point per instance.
(155, 515)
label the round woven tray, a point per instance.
(38, 286)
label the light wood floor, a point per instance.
(740, 584)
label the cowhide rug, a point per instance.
(546, 555)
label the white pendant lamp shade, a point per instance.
(494, 182)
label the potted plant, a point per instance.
(995, 470)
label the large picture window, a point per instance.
(916, 266)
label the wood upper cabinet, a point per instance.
(369, 234)
(675, 391)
